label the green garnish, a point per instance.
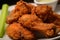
(3, 19)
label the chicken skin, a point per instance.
(46, 13)
(30, 22)
(43, 11)
(48, 30)
(55, 19)
(16, 31)
(21, 8)
(17, 12)
(27, 19)
(34, 23)
(13, 31)
(12, 17)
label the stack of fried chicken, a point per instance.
(26, 18)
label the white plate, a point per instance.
(12, 7)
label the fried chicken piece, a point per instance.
(54, 18)
(16, 31)
(51, 18)
(30, 7)
(24, 7)
(34, 23)
(12, 17)
(48, 30)
(27, 19)
(13, 31)
(43, 11)
(21, 8)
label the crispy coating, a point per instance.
(53, 18)
(21, 8)
(27, 19)
(50, 18)
(16, 31)
(43, 11)
(30, 7)
(48, 30)
(13, 31)
(12, 17)
(17, 12)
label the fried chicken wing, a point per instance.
(17, 12)
(30, 22)
(30, 7)
(48, 30)
(13, 31)
(21, 8)
(34, 23)
(13, 17)
(43, 11)
(27, 19)
(16, 31)
(54, 18)
(24, 7)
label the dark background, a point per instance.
(11, 2)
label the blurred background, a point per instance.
(12, 2)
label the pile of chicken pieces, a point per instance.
(26, 18)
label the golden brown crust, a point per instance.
(27, 19)
(16, 31)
